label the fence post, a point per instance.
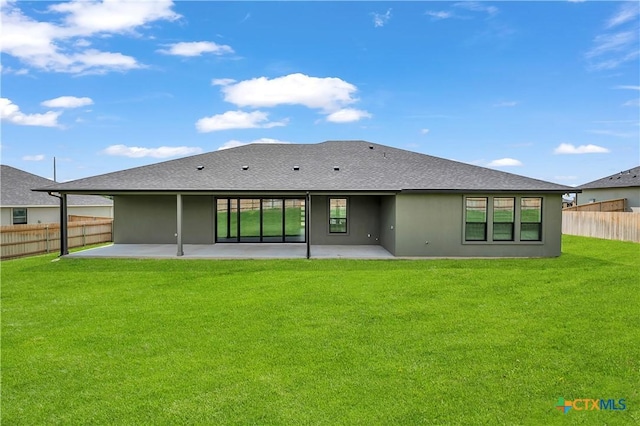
(84, 235)
(46, 238)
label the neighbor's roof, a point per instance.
(623, 179)
(363, 166)
(17, 185)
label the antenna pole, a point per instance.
(54, 170)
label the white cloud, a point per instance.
(62, 47)
(628, 87)
(328, 94)
(347, 115)
(632, 103)
(505, 104)
(196, 48)
(82, 43)
(235, 143)
(67, 102)
(93, 61)
(11, 112)
(505, 162)
(477, 7)
(380, 19)
(567, 148)
(9, 70)
(90, 17)
(607, 43)
(619, 45)
(627, 12)
(222, 81)
(424, 131)
(236, 120)
(38, 157)
(438, 15)
(160, 152)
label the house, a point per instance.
(332, 193)
(567, 201)
(625, 184)
(21, 206)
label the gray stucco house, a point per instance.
(21, 206)
(332, 193)
(625, 184)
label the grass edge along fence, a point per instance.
(620, 226)
(29, 240)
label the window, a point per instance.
(476, 219)
(264, 220)
(530, 219)
(503, 218)
(338, 215)
(20, 216)
(512, 219)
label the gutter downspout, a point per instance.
(307, 222)
(64, 240)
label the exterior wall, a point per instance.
(387, 223)
(5, 216)
(433, 225)
(151, 219)
(97, 211)
(197, 219)
(429, 225)
(363, 221)
(631, 194)
(44, 214)
(51, 214)
(144, 219)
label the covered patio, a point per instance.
(235, 251)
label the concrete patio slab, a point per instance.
(234, 251)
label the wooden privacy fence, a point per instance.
(28, 240)
(608, 225)
(617, 205)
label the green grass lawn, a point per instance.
(97, 341)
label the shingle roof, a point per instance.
(363, 166)
(16, 191)
(623, 179)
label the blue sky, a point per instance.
(549, 90)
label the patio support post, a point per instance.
(64, 236)
(307, 222)
(179, 224)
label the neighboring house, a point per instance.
(19, 205)
(625, 184)
(332, 193)
(567, 201)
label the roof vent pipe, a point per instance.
(245, 167)
(336, 168)
(200, 167)
(296, 167)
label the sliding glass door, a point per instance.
(265, 220)
(272, 220)
(294, 220)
